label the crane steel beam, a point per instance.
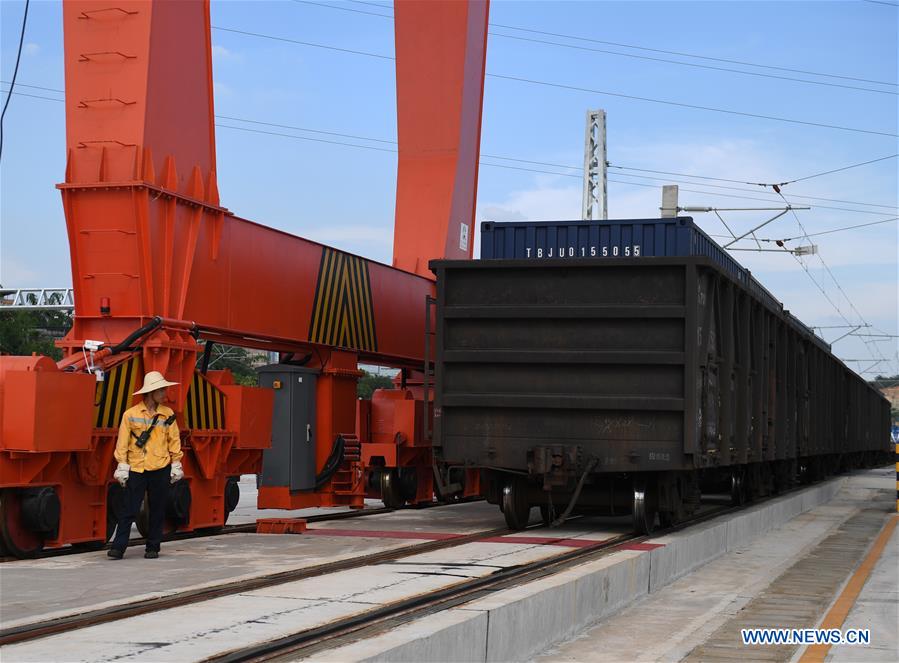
(441, 48)
(37, 299)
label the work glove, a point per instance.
(177, 471)
(121, 473)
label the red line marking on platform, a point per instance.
(382, 534)
(641, 546)
(543, 541)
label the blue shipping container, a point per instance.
(626, 238)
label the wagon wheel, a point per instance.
(515, 505)
(737, 488)
(16, 540)
(547, 515)
(644, 506)
(670, 518)
(143, 521)
(232, 495)
(391, 491)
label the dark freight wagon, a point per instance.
(624, 384)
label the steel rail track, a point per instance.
(351, 629)
(343, 631)
(340, 631)
(42, 629)
(244, 528)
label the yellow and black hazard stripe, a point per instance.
(113, 395)
(205, 404)
(342, 313)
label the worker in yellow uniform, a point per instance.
(149, 454)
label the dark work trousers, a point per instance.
(155, 484)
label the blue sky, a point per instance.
(344, 196)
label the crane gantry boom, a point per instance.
(159, 263)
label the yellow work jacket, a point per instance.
(163, 447)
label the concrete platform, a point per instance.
(64, 586)
(39, 589)
(513, 624)
(695, 617)
(648, 603)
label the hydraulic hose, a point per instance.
(332, 464)
(136, 334)
(577, 493)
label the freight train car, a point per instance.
(620, 367)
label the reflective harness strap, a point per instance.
(146, 434)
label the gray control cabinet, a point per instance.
(291, 459)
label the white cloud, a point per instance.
(864, 261)
(31, 48)
(550, 200)
(220, 89)
(14, 273)
(353, 233)
(221, 53)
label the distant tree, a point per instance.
(23, 332)
(369, 382)
(235, 359)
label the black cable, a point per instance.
(691, 55)
(576, 88)
(304, 43)
(576, 494)
(691, 64)
(733, 188)
(538, 163)
(332, 464)
(530, 170)
(622, 45)
(837, 170)
(679, 104)
(723, 179)
(314, 140)
(316, 131)
(835, 230)
(136, 334)
(624, 55)
(15, 73)
(834, 279)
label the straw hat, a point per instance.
(152, 381)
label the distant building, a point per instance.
(892, 394)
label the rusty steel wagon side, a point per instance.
(627, 385)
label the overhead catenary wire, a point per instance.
(577, 88)
(642, 48)
(383, 149)
(15, 72)
(732, 188)
(838, 170)
(545, 42)
(852, 306)
(531, 161)
(834, 230)
(383, 141)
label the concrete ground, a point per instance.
(673, 622)
(688, 618)
(216, 626)
(53, 586)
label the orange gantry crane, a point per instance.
(159, 265)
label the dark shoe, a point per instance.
(151, 554)
(115, 553)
